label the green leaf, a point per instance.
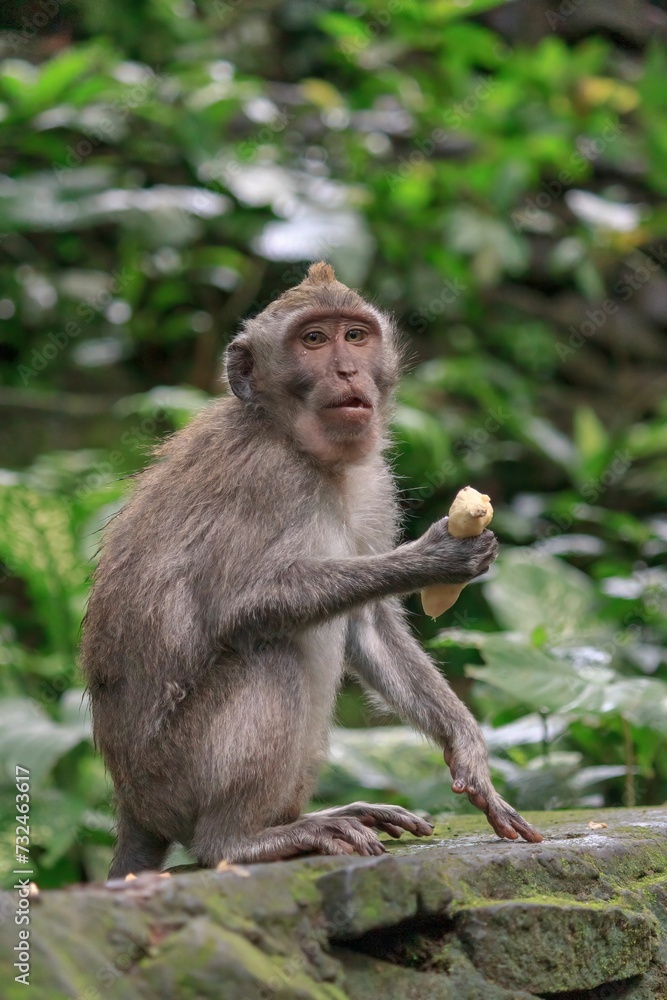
(37, 543)
(29, 738)
(460, 638)
(58, 73)
(640, 700)
(444, 11)
(592, 441)
(550, 441)
(392, 762)
(422, 438)
(531, 591)
(345, 27)
(56, 819)
(538, 679)
(542, 681)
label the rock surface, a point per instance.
(582, 916)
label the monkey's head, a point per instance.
(321, 364)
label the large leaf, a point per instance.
(575, 685)
(530, 590)
(540, 680)
(56, 819)
(32, 740)
(640, 700)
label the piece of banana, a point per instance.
(469, 515)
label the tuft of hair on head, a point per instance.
(320, 273)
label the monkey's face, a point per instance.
(336, 366)
(320, 365)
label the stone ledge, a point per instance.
(463, 917)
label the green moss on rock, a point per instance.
(551, 948)
(461, 917)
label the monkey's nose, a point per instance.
(346, 370)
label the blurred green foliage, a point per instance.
(492, 173)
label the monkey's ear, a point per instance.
(239, 369)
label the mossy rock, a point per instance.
(582, 916)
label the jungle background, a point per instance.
(494, 174)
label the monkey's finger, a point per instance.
(398, 817)
(421, 827)
(527, 831)
(508, 823)
(338, 846)
(367, 848)
(499, 819)
(426, 830)
(461, 786)
(393, 831)
(354, 832)
(413, 824)
(502, 828)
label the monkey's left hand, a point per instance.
(505, 820)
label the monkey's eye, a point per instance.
(356, 336)
(314, 338)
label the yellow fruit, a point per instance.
(469, 515)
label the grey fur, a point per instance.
(236, 584)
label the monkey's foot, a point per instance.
(390, 819)
(324, 833)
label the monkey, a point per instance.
(256, 561)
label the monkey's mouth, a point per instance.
(350, 402)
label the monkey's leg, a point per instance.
(137, 849)
(312, 834)
(386, 656)
(390, 819)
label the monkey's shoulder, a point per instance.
(223, 450)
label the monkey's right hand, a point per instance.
(456, 560)
(476, 784)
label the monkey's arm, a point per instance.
(385, 655)
(281, 593)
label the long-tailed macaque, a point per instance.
(254, 562)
